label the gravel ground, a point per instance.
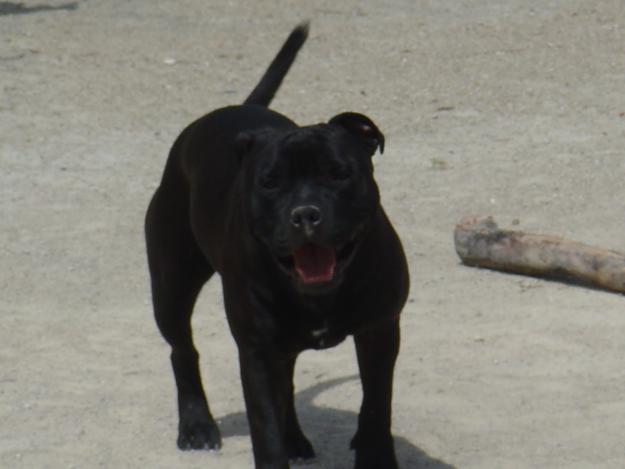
(514, 109)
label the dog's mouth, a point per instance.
(314, 264)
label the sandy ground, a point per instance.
(514, 109)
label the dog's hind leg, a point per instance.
(178, 270)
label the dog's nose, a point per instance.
(306, 217)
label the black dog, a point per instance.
(290, 217)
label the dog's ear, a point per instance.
(243, 143)
(360, 125)
(249, 141)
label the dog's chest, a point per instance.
(320, 333)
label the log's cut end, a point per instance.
(468, 234)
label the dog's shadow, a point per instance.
(331, 430)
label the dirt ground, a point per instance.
(514, 109)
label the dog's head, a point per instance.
(311, 194)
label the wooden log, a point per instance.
(480, 243)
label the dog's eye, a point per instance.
(269, 183)
(340, 174)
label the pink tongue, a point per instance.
(314, 264)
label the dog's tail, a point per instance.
(271, 80)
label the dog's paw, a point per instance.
(378, 453)
(199, 434)
(299, 448)
(366, 460)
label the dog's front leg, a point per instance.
(266, 378)
(377, 349)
